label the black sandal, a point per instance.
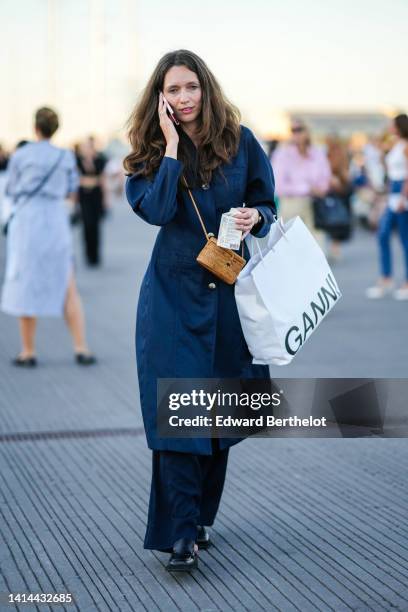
(203, 538)
(85, 358)
(24, 362)
(184, 557)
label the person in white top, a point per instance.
(396, 212)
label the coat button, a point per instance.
(212, 286)
(205, 186)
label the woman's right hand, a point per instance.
(168, 129)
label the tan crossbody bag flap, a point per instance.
(223, 263)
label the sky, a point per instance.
(90, 58)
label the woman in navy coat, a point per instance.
(187, 321)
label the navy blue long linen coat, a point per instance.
(187, 321)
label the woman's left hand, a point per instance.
(245, 219)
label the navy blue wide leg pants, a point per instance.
(185, 492)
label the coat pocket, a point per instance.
(229, 188)
(177, 261)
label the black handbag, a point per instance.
(331, 213)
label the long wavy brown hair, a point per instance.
(218, 127)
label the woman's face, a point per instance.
(182, 89)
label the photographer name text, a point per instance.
(260, 421)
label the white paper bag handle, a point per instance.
(279, 223)
(252, 239)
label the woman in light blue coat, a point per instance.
(39, 279)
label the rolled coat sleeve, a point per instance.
(155, 201)
(260, 186)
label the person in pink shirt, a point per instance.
(302, 171)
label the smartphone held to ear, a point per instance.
(170, 111)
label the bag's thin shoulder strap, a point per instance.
(38, 188)
(200, 218)
(196, 208)
(47, 176)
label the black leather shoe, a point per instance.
(184, 557)
(25, 362)
(85, 358)
(203, 537)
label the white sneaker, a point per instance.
(401, 294)
(378, 291)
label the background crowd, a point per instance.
(332, 184)
(335, 185)
(304, 169)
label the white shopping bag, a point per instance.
(284, 292)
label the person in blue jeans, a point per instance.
(396, 212)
